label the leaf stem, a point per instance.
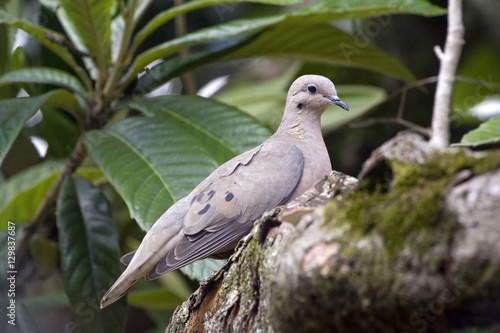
(60, 40)
(121, 59)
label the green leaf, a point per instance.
(18, 59)
(175, 66)
(118, 26)
(236, 28)
(89, 255)
(67, 101)
(7, 36)
(200, 269)
(15, 112)
(154, 299)
(320, 43)
(47, 38)
(176, 282)
(221, 130)
(481, 64)
(89, 22)
(52, 5)
(323, 11)
(302, 42)
(45, 254)
(44, 75)
(156, 160)
(48, 299)
(170, 13)
(487, 132)
(22, 194)
(13, 115)
(60, 131)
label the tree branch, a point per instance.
(449, 59)
(74, 161)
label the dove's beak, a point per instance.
(337, 101)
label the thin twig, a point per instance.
(408, 86)
(187, 78)
(449, 59)
(392, 120)
(66, 43)
(403, 92)
(402, 103)
(398, 119)
(73, 162)
(478, 82)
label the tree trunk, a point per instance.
(414, 247)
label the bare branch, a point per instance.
(398, 119)
(478, 82)
(449, 59)
(395, 120)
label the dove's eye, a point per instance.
(312, 88)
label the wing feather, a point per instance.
(226, 204)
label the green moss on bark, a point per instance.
(405, 208)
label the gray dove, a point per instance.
(222, 208)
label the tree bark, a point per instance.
(413, 247)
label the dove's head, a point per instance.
(313, 93)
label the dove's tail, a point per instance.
(160, 239)
(124, 283)
(142, 262)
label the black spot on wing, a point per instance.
(229, 196)
(187, 252)
(204, 210)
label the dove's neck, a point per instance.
(304, 131)
(301, 128)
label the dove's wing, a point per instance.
(225, 205)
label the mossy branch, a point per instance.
(414, 247)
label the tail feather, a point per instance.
(127, 258)
(160, 239)
(141, 264)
